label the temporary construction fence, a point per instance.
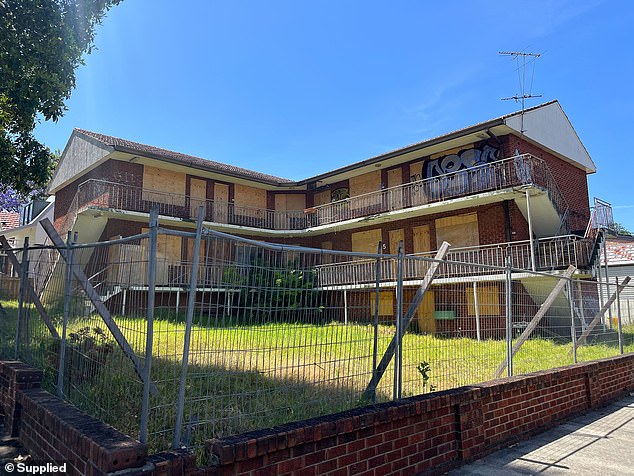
(178, 337)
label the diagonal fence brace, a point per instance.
(541, 312)
(34, 297)
(584, 335)
(409, 315)
(100, 307)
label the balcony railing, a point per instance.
(550, 254)
(503, 174)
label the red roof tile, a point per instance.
(9, 220)
(190, 160)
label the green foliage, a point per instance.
(41, 46)
(424, 370)
(87, 351)
(620, 230)
(276, 292)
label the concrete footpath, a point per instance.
(599, 443)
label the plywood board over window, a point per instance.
(415, 171)
(395, 196)
(363, 184)
(421, 237)
(386, 303)
(249, 201)
(197, 196)
(169, 252)
(163, 186)
(321, 198)
(425, 313)
(366, 241)
(488, 300)
(458, 230)
(395, 237)
(366, 183)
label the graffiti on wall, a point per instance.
(465, 159)
(451, 163)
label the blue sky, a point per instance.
(296, 88)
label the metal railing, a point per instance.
(551, 254)
(259, 340)
(103, 194)
(503, 174)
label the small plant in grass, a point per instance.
(86, 353)
(424, 369)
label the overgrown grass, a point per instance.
(244, 377)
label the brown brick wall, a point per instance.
(56, 432)
(112, 170)
(428, 434)
(492, 228)
(572, 181)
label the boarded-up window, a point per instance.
(249, 201)
(458, 230)
(488, 300)
(323, 197)
(168, 254)
(197, 196)
(168, 247)
(421, 238)
(290, 202)
(364, 184)
(386, 303)
(395, 236)
(163, 186)
(366, 241)
(415, 171)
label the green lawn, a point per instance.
(245, 377)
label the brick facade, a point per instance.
(571, 180)
(115, 171)
(427, 434)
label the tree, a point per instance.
(42, 42)
(11, 200)
(619, 229)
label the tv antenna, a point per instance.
(520, 57)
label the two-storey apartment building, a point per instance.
(516, 181)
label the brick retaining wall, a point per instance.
(427, 434)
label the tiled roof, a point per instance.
(190, 160)
(9, 220)
(210, 165)
(620, 250)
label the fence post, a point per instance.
(509, 318)
(149, 338)
(24, 281)
(477, 310)
(618, 315)
(67, 293)
(398, 361)
(607, 279)
(375, 347)
(193, 284)
(573, 330)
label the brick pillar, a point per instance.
(470, 425)
(14, 376)
(593, 385)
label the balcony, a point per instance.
(506, 174)
(550, 254)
